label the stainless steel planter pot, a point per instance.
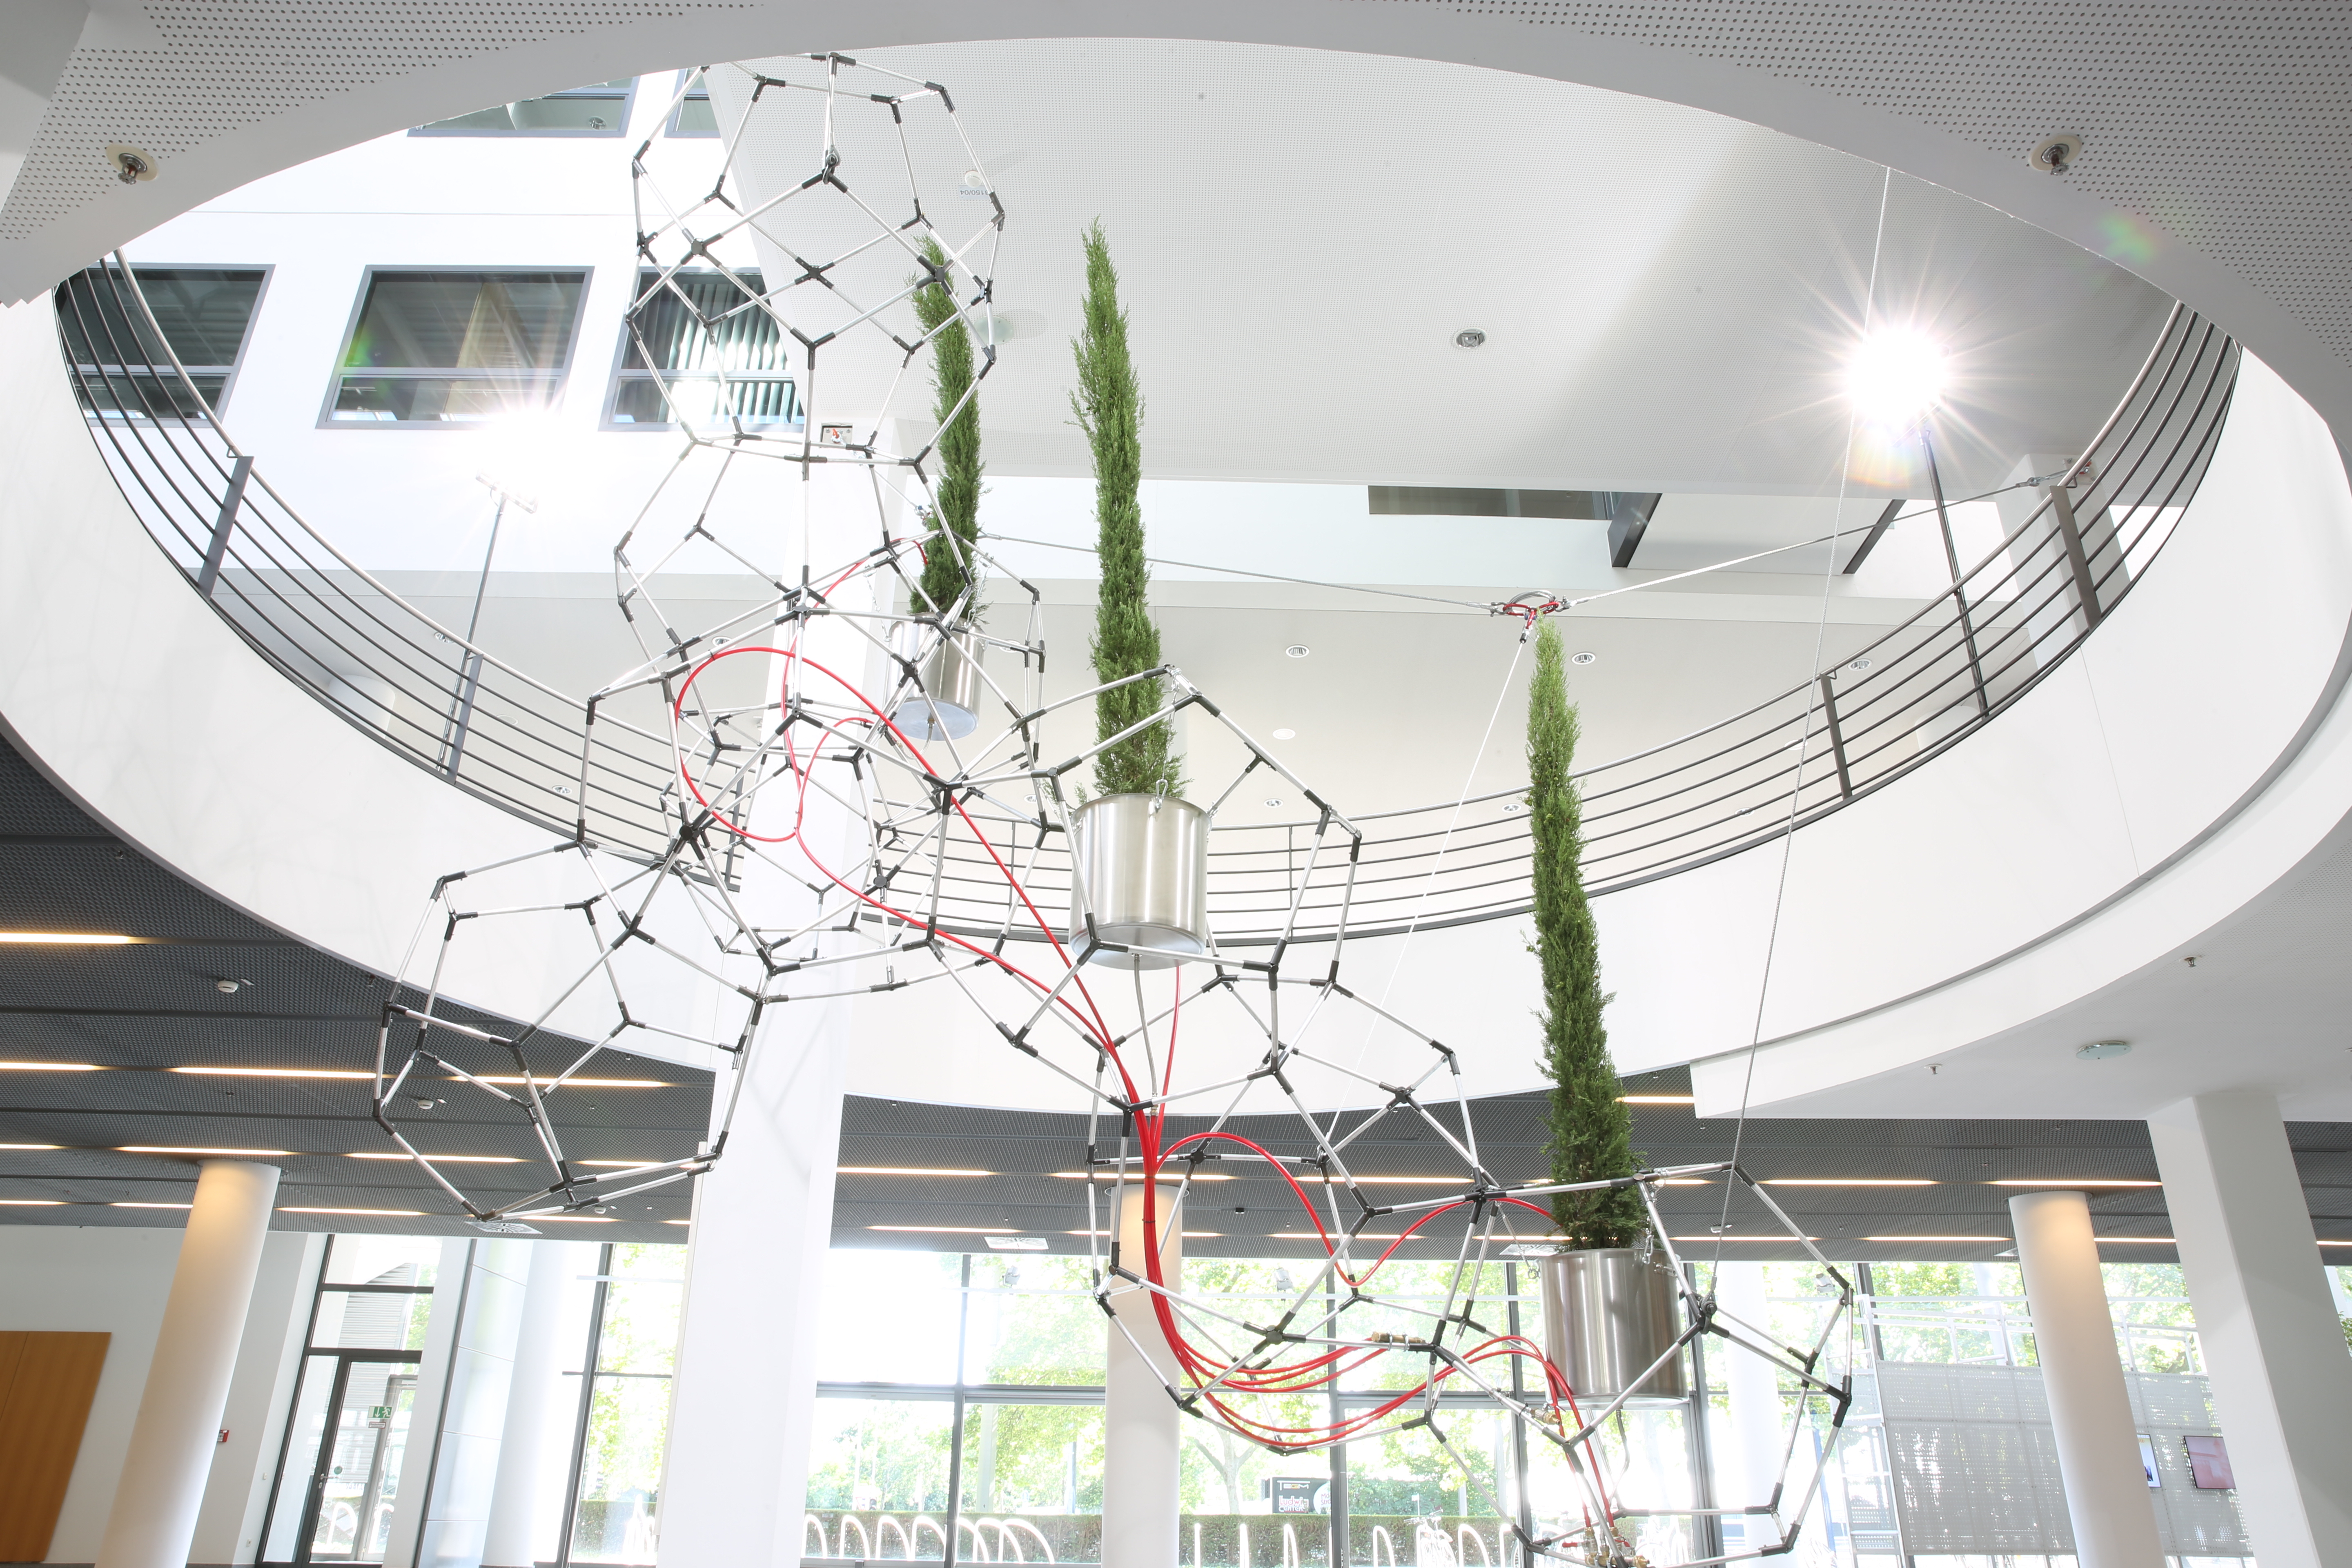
(952, 685)
(1141, 863)
(1608, 1313)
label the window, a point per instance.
(599, 109)
(339, 1471)
(694, 115)
(207, 314)
(622, 1426)
(436, 348)
(715, 356)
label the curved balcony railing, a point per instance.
(497, 733)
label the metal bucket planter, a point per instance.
(947, 705)
(1608, 1313)
(1139, 864)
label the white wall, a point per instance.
(77, 1279)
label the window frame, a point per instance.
(236, 367)
(608, 418)
(337, 370)
(627, 101)
(669, 122)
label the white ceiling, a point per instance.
(1668, 294)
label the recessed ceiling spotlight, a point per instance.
(1285, 734)
(1862, 663)
(2100, 1051)
(226, 987)
(1297, 650)
(1469, 338)
(1510, 805)
(1273, 800)
(1588, 656)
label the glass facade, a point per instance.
(960, 1401)
(439, 347)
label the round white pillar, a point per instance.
(1750, 1464)
(1142, 1502)
(2090, 1413)
(523, 1526)
(153, 1519)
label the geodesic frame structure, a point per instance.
(802, 762)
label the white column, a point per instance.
(1747, 1465)
(523, 1522)
(269, 1364)
(742, 1402)
(2272, 1345)
(2090, 1411)
(153, 1519)
(1141, 1434)
(442, 1512)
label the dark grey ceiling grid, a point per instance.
(138, 1011)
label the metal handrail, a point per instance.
(1921, 687)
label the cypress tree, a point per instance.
(1592, 1131)
(947, 563)
(1109, 409)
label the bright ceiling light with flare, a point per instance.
(1896, 376)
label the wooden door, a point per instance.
(46, 1381)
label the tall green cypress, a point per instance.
(1109, 409)
(1592, 1131)
(947, 566)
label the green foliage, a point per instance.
(628, 1418)
(1592, 1131)
(1110, 408)
(955, 527)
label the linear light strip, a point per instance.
(275, 1072)
(238, 1154)
(66, 939)
(2072, 1182)
(450, 1159)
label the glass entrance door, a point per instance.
(361, 1426)
(358, 1473)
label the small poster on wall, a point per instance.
(2209, 1463)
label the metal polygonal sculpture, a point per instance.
(824, 822)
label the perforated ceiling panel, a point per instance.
(2219, 157)
(2231, 125)
(218, 65)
